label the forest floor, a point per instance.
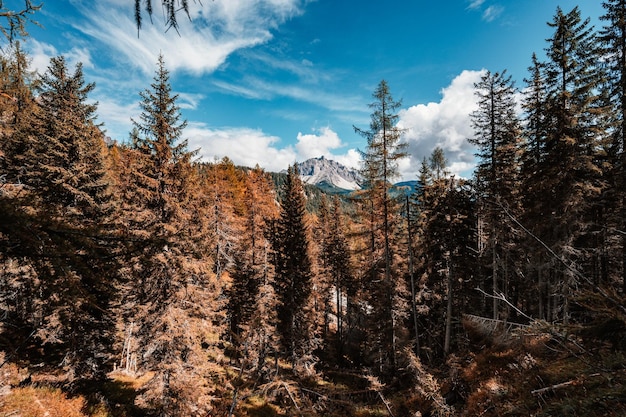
(537, 371)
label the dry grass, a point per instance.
(546, 372)
(42, 402)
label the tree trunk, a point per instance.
(446, 344)
(412, 276)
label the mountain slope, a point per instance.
(325, 171)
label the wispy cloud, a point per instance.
(216, 29)
(41, 52)
(189, 101)
(491, 13)
(475, 4)
(306, 93)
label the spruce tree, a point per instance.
(59, 156)
(384, 149)
(497, 133)
(444, 246)
(173, 295)
(292, 265)
(538, 119)
(571, 178)
(613, 37)
(250, 267)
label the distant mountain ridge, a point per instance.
(322, 171)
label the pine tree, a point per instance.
(571, 179)
(324, 281)
(171, 8)
(66, 202)
(497, 133)
(173, 296)
(613, 37)
(444, 245)
(533, 153)
(293, 277)
(384, 150)
(224, 192)
(250, 270)
(16, 20)
(337, 276)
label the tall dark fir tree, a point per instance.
(613, 38)
(292, 266)
(60, 161)
(497, 135)
(569, 177)
(172, 295)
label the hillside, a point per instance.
(322, 171)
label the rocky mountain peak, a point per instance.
(321, 170)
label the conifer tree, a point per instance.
(224, 193)
(173, 297)
(497, 133)
(336, 275)
(342, 276)
(571, 178)
(16, 19)
(57, 153)
(293, 276)
(324, 282)
(444, 244)
(171, 9)
(533, 153)
(251, 267)
(613, 37)
(384, 150)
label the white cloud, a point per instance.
(189, 100)
(244, 146)
(313, 146)
(475, 4)
(82, 55)
(445, 124)
(321, 144)
(116, 117)
(217, 29)
(41, 52)
(249, 147)
(491, 13)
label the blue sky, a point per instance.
(278, 81)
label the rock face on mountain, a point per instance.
(325, 171)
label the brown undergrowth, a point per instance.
(542, 370)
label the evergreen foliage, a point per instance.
(292, 266)
(613, 38)
(497, 137)
(384, 149)
(217, 292)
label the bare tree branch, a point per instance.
(16, 20)
(500, 296)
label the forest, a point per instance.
(138, 280)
